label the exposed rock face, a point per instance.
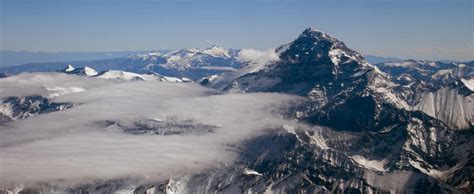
(169, 126)
(348, 93)
(13, 108)
(294, 163)
(3, 75)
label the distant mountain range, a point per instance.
(14, 58)
(191, 63)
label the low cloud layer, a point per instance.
(73, 145)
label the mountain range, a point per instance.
(404, 126)
(14, 58)
(192, 63)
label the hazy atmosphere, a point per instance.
(420, 29)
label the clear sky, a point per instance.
(424, 29)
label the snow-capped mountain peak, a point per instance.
(319, 35)
(129, 76)
(192, 62)
(217, 51)
(323, 68)
(315, 45)
(68, 68)
(214, 51)
(123, 75)
(313, 32)
(87, 71)
(152, 56)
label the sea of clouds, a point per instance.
(74, 146)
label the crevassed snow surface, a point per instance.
(72, 146)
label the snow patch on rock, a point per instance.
(251, 172)
(378, 165)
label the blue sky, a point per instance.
(423, 29)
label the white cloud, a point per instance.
(72, 145)
(258, 57)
